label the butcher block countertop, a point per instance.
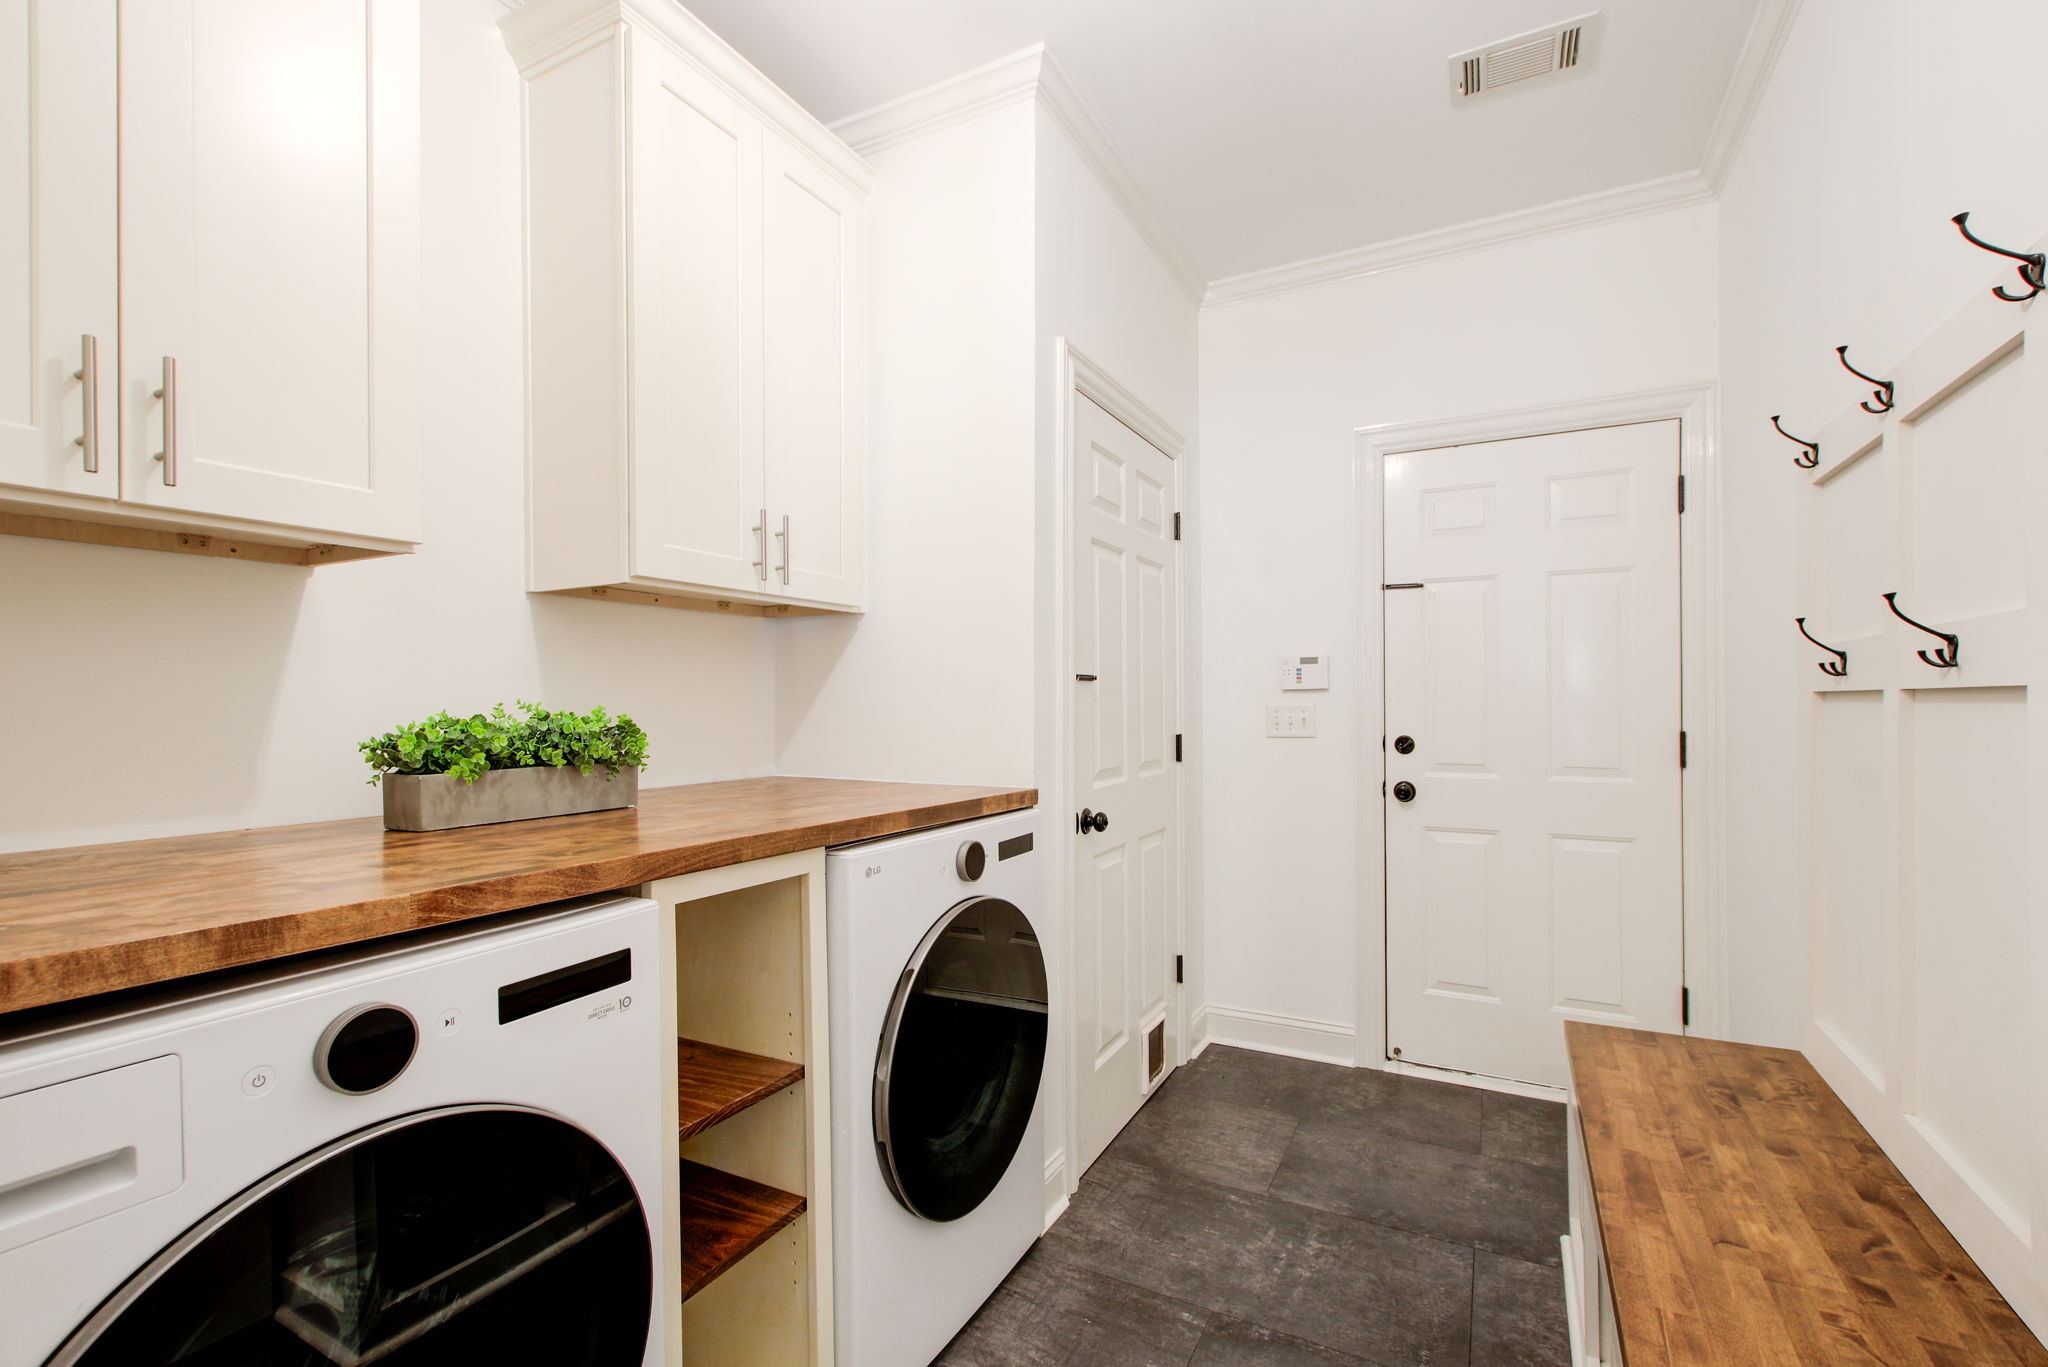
(1749, 1220)
(98, 918)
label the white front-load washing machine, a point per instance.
(442, 1151)
(938, 1005)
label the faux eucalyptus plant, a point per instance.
(470, 747)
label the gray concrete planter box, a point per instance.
(440, 802)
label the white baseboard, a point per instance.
(1055, 1187)
(1294, 1036)
(1575, 1332)
(1198, 1033)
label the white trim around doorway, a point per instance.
(1702, 676)
(1075, 373)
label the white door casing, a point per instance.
(1537, 874)
(58, 256)
(269, 247)
(1124, 631)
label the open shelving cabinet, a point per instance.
(747, 1218)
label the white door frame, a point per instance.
(1701, 704)
(1074, 373)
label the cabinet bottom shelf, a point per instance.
(724, 1219)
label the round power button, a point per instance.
(260, 1080)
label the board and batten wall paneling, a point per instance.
(1925, 787)
(172, 694)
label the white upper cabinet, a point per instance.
(694, 291)
(812, 415)
(267, 260)
(262, 381)
(58, 308)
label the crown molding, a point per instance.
(1768, 32)
(1005, 81)
(1062, 99)
(1606, 206)
(1032, 74)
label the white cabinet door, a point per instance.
(58, 263)
(812, 420)
(698, 507)
(269, 261)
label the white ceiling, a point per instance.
(1268, 133)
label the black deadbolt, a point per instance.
(1404, 745)
(1404, 791)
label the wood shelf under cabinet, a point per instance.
(724, 1219)
(714, 1083)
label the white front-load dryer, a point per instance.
(444, 1150)
(939, 1015)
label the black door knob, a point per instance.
(1092, 821)
(1404, 791)
(1404, 745)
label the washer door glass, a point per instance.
(472, 1235)
(962, 1049)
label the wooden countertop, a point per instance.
(97, 918)
(1749, 1220)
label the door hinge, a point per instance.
(1179, 754)
(1685, 1006)
(1681, 749)
(1176, 526)
(1179, 969)
(1681, 493)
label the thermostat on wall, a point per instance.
(1304, 671)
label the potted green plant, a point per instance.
(446, 771)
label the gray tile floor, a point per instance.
(1267, 1212)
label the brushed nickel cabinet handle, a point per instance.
(761, 544)
(88, 377)
(784, 534)
(169, 395)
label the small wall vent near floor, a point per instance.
(1525, 60)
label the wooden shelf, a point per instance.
(714, 1083)
(724, 1219)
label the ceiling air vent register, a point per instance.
(1524, 61)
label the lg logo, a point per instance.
(871, 870)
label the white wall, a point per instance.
(1834, 229)
(1104, 290)
(154, 694)
(935, 682)
(1284, 382)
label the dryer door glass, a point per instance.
(962, 1049)
(472, 1235)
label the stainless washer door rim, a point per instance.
(82, 1339)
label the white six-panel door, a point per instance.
(59, 344)
(1124, 634)
(1535, 874)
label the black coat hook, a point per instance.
(1947, 658)
(1883, 394)
(1806, 459)
(1839, 670)
(2033, 265)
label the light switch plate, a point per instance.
(1291, 720)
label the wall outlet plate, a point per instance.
(1295, 719)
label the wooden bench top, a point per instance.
(1749, 1220)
